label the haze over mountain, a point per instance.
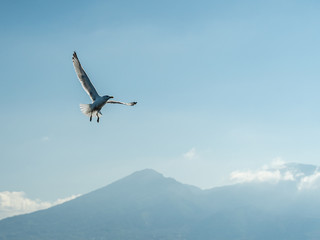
(147, 205)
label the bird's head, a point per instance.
(107, 97)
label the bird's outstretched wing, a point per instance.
(128, 104)
(84, 80)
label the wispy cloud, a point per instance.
(191, 154)
(278, 171)
(310, 182)
(268, 173)
(15, 203)
(277, 163)
(45, 139)
(260, 176)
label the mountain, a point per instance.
(147, 205)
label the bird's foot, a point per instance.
(90, 118)
(98, 119)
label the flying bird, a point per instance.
(93, 109)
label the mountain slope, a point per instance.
(146, 205)
(144, 200)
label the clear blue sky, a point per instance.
(220, 85)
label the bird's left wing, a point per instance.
(128, 104)
(84, 80)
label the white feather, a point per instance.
(84, 80)
(86, 109)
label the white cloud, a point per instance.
(191, 154)
(62, 200)
(260, 176)
(310, 182)
(15, 203)
(278, 163)
(288, 176)
(273, 172)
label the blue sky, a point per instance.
(220, 85)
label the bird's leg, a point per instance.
(97, 117)
(90, 118)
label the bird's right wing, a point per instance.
(84, 80)
(128, 104)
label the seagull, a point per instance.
(97, 101)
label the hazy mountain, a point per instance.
(146, 205)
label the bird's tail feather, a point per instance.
(86, 109)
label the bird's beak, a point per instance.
(111, 97)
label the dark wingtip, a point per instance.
(74, 54)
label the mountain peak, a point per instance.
(144, 178)
(306, 169)
(141, 177)
(147, 172)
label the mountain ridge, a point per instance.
(147, 205)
